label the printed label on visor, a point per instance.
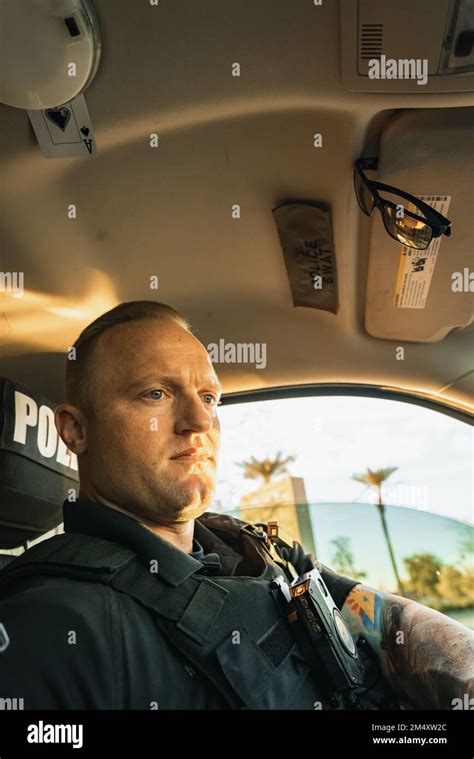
(417, 266)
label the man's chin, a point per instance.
(188, 500)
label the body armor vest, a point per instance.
(231, 629)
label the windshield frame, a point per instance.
(348, 389)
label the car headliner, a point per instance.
(167, 212)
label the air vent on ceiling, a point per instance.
(370, 41)
(436, 37)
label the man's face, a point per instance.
(153, 434)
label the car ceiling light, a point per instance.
(49, 51)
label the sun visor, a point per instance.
(421, 295)
(36, 468)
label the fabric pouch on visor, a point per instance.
(36, 468)
(305, 233)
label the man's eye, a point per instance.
(155, 395)
(212, 401)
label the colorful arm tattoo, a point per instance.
(425, 656)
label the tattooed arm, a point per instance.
(424, 656)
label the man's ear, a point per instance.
(72, 428)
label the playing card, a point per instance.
(64, 131)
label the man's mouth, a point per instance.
(192, 454)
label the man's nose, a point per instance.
(194, 416)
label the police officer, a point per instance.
(146, 601)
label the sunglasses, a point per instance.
(414, 229)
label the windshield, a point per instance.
(378, 490)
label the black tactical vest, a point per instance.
(231, 629)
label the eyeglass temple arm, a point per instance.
(368, 164)
(429, 210)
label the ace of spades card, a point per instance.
(65, 131)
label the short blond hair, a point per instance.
(78, 366)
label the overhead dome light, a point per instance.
(49, 51)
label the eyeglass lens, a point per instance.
(411, 232)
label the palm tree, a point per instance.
(375, 479)
(267, 469)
